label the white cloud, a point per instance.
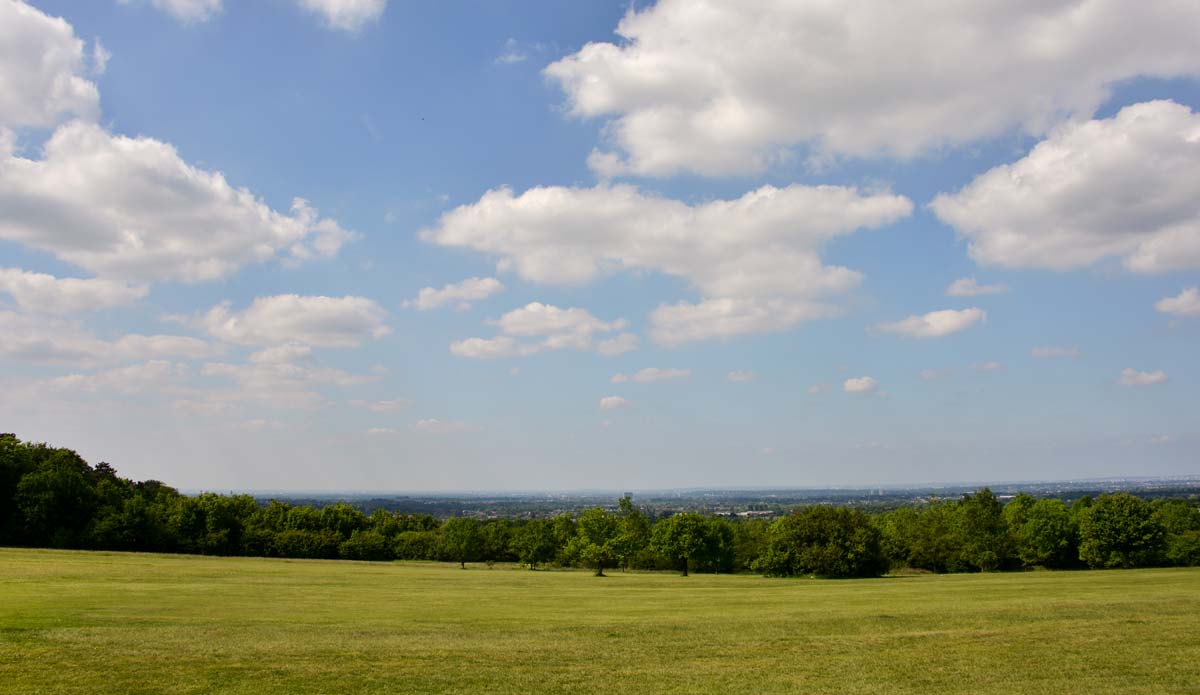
(818, 388)
(613, 403)
(491, 348)
(100, 58)
(288, 318)
(435, 426)
(729, 88)
(933, 374)
(1186, 303)
(156, 376)
(136, 346)
(51, 341)
(347, 15)
(1132, 377)
(1051, 351)
(650, 375)
(187, 11)
(755, 260)
(862, 384)
(41, 70)
(512, 53)
(130, 209)
(935, 324)
(46, 294)
(684, 322)
(1127, 187)
(389, 406)
(621, 344)
(378, 431)
(988, 366)
(275, 384)
(288, 352)
(552, 327)
(967, 287)
(460, 293)
(739, 375)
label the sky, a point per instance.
(362, 245)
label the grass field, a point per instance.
(79, 622)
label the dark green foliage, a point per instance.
(681, 537)
(56, 499)
(597, 539)
(1048, 537)
(826, 542)
(748, 541)
(366, 545)
(50, 497)
(302, 543)
(928, 538)
(462, 540)
(983, 533)
(635, 532)
(534, 543)
(494, 542)
(1121, 531)
(419, 545)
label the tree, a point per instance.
(985, 541)
(494, 540)
(749, 541)
(824, 541)
(564, 530)
(680, 537)
(463, 539)
(534, 542)
(1048, 537)
(929, 538)
(597, 539)
(56, 500)
(635, 531)
(366, 545)
(1120, 531)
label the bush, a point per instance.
(366, 545)
(824, 541)
(307, 544)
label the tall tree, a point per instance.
(635, 531)
(1121, 531)
(462, 539)
(534, 542)
(680, 538)
(597, 539)
(824, 541)
(985, 540)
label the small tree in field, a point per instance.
(1121, 531)
(534, 543)
(597, 539)
(681, 537)
(462, 539)
(824, 541)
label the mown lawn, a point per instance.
(81, 622)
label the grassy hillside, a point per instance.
(79, 622)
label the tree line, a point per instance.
(51, 497)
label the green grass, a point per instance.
(79, 622)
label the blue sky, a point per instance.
(675, 244)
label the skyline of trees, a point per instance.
(51, 497)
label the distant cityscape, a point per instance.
(752, 502)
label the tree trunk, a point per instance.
(599, 569)
(685, 564)
(462, 564)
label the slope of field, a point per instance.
(85, 622)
